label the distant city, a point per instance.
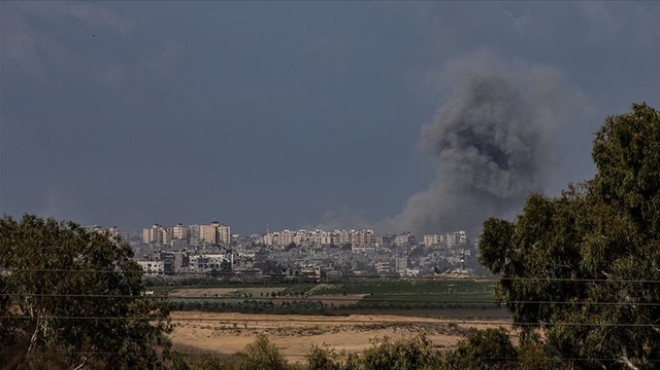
(211, 250)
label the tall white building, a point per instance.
(179, 232)
(208, 234)
(153, 235)
(448, 239)
(215, 233)
(224, 234)
(404, 239)
(357, 238)
(193, 235)
(166, 237)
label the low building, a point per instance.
(152, 267)
(382, 267)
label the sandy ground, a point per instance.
(294, 335)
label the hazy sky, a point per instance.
(288, 114)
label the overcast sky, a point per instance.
(287, 114)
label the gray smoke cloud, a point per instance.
(494, 142)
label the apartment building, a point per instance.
(179, 232)
(153, 235)
(152, 267)
(357, 238)
(215, 233)
(448, 239)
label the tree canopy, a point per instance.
(584, 268)
(75, 297)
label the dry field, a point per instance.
(294, 335)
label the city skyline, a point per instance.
(308, 115)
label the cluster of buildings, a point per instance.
(184, 262)
(448, 239)
(218, 234)
(359, 238)
(205, 250)
(180, 235)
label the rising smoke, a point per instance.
(493, 140)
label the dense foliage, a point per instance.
(584, 268)
(75, 298)
(484, 349)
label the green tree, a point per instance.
(323, 358)
(585, 266)
(263, 355)
(403, 354)
(78, 294)
(489, 349)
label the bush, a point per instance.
(533, 355)
(323, 359)
(403, 354)
(489, 349)
(263, 355)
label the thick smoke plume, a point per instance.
(493, 140)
